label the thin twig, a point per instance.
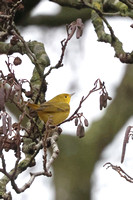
(101, 85)
(120, 171)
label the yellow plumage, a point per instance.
(56, 110)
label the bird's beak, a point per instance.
(72, 94)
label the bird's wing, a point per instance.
(51, 107)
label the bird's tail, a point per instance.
(32, 106)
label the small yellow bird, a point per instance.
(56, 110)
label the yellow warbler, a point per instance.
(56, 110)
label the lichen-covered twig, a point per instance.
(55, 151)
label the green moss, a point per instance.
(122, 8)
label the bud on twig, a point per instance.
(103, 99)
(4, 123)
(2, 99)
(14, 40)
(86, 123)
(76, 26)
(80, 131)
(80, 27)
(76, 121)
(28, 94)
(17, 61)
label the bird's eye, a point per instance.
(65, 97)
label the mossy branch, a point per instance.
(41, 60)
(98, 11)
